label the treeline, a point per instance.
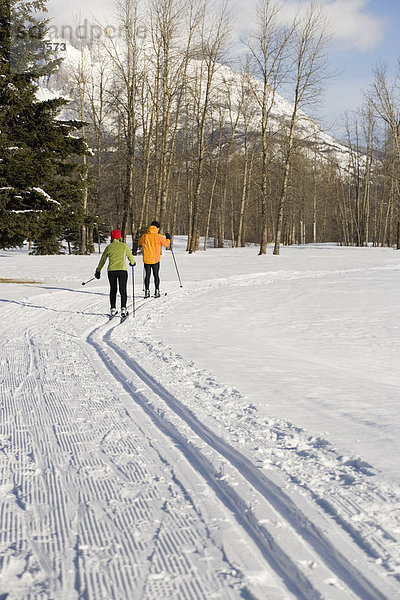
(212, 152)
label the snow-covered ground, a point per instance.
(237, 438)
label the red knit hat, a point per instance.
(115, 234)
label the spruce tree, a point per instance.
(40, 184)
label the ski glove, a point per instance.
(168, 236)
(97, 274)
(132, 264)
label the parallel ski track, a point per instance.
(56, 540)
(285, 566)
(293, 577)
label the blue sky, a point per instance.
(364, 32)
(354, 58)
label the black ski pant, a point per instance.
(118, 279)
(156, 274)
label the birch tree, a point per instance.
(148, 116)
(248, 117)
(368, 125)
(79, 78)
(384, 97)
(308, 73)
(125, 56)
(217, 165)
(172, 52)
(268, 48)
(228, 121)
(215, 34)
(100, 111)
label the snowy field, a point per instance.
(237, 438)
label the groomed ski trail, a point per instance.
(93, 505)
(261, 508)
(122, 490)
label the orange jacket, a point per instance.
(152, 242)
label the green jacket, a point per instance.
(117, 252)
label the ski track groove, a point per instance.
(295, 580)
(82, 529)
(282, 563)
(286, 445)
(374, 538)
(69, 540)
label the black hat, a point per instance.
(156, 224)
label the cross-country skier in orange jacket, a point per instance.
(151, 243)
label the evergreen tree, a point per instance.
(40, 184)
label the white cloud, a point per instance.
(73, 11)
(349, 21)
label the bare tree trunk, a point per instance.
(149, 116)
(233, 121)
(174, 64)
(309, 64)
(100, 110)
(282, 199)
(80, 82)
(383, 98)
(247, 171)
(221, 122)
(232, 223)
(267, 49)
(213, 43)
(124, 60)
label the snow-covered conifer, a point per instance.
(40, 183)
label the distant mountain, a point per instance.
(310, 132)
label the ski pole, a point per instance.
(85, 282)
(176, 266)
(133, 291)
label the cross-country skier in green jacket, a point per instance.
(116, 252)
